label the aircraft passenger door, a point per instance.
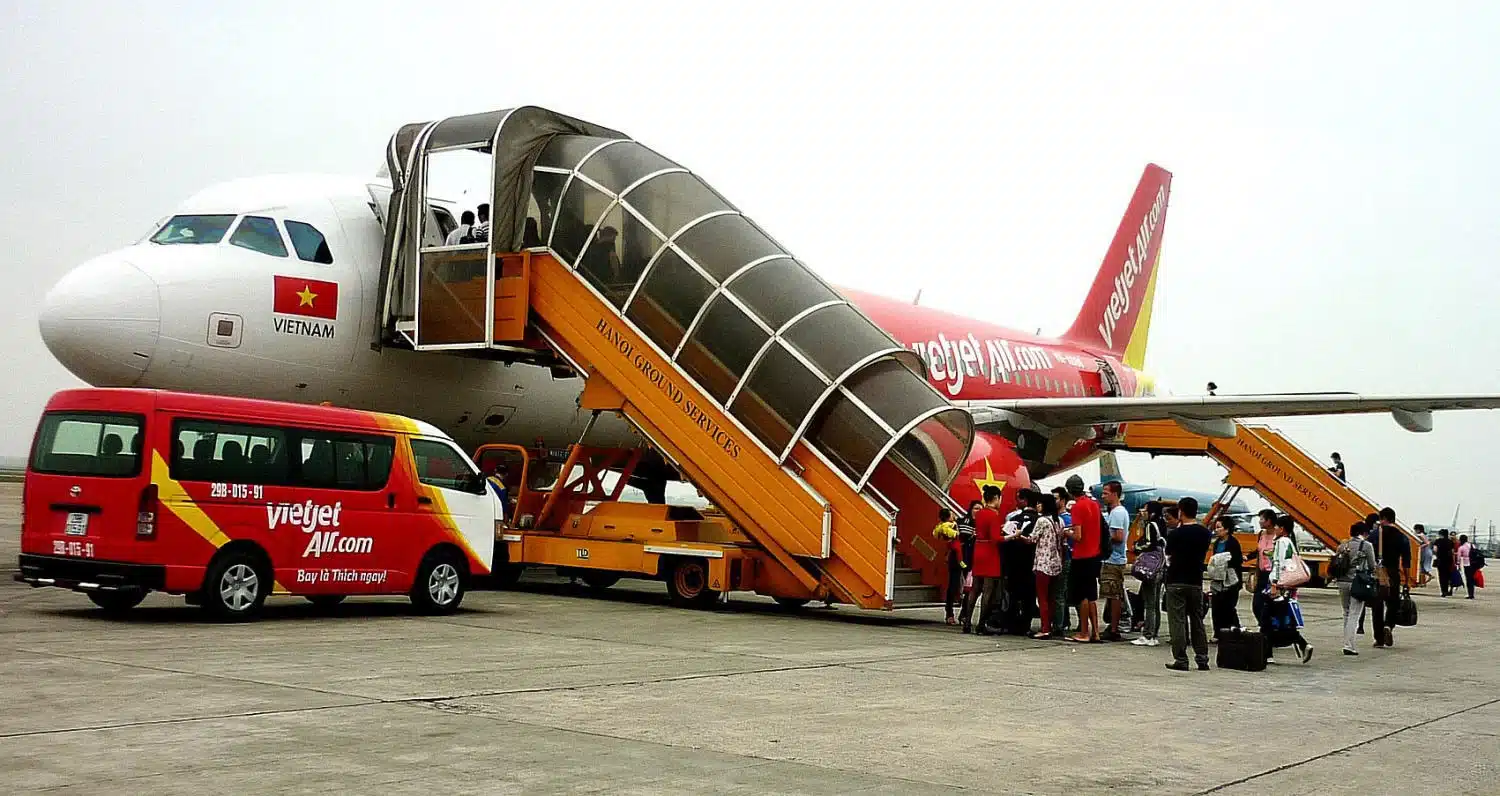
(453, 499)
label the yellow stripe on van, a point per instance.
(179, 502)
(176, 499)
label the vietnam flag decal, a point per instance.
(312, 298)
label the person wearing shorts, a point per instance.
(1112, 558)
(1083, 579)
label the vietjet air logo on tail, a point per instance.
(305, 307)
(1116, 313)
(1130, 270)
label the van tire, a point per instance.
(441, 582)
(117, 602)
(687, 583)
(236, 586)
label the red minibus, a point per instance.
(228, 500)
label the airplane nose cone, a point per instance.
(101, 321)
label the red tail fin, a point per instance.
(1116, 315)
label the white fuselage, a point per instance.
(203, 317)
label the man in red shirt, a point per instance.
(1083, 581)
(989, 531)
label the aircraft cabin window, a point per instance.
(260, 234)
(309, 243)
(193, 229)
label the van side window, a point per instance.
(440, 465)
(234, 453)
(332, 460)
(88, 444)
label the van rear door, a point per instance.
(87, 486)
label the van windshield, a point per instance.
(89, 444)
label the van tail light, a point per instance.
(145, 517)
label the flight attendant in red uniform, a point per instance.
(988, 533)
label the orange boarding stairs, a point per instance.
(1263, 459)
(809, 427)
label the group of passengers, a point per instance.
(1455, 561)
(473, 227)
(1061, 558)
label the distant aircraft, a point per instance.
(1138, 495)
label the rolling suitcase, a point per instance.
(1241, 649)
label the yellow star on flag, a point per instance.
(307, 296)
(988, 479)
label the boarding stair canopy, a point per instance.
(812, 428)
(1265, 460)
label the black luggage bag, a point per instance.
(1244, 650)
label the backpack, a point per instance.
(1342, 563)
(1476, 557)
(1106, 544)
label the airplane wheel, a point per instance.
(687, 583)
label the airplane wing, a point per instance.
(1214, 415)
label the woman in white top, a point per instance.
(1048, 563)
(1285, 550)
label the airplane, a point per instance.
(1134, 495)
(270, 287)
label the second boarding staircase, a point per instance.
(812, 429)
(1263, 459)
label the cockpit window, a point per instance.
(193, 229)
(258, 233)
(309, 243)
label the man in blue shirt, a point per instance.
(1112, 571)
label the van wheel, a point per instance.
(440, 584)
(236, 587)
(117, 602)
(687, 583)
(599, 580)
(325, 601)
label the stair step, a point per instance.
(906, 595)
(908, 577)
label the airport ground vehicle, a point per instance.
(228, 500)
(569, 515)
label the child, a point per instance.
(946, 533)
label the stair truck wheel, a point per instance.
(792, 603)
(441, 582)
(117, 602)
(236, 586)
(687, 583)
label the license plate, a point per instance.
(78, 524)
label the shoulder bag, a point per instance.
(1294, 571)
(1362, 585)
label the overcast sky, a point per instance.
(1332, 220)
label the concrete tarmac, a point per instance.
(552, 690)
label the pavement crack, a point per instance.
(178, 720)
(1343, 749)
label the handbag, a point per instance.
(1406, 610)
(1148, 565)
(1362, 586)
(1294, 572)
(1382, 575)
(1296, 609)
